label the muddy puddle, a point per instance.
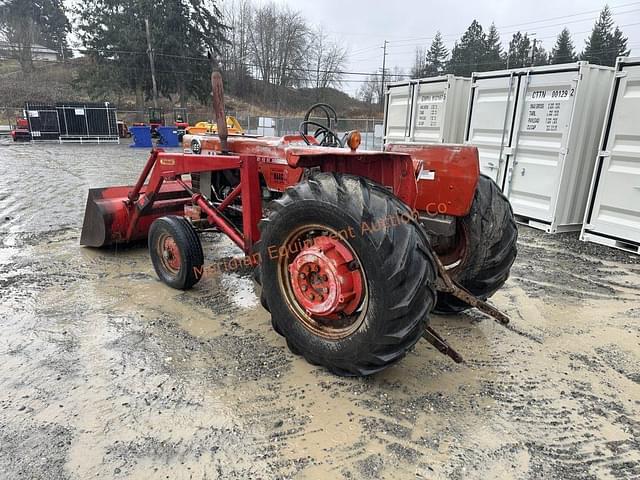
(107, 373)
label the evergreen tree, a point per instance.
(493, 57)
(25, 23)
(605, 44)
(618, 45)
(468, 54)
(182, 32)
(540, 55)
(54, 26)
(563, 51)
(519, 53)
(436, 57)
(597, 43)
(525, 52)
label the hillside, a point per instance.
(56, 82)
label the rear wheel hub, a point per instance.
(325, 278)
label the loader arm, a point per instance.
(124, 214)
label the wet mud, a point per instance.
(107, 373)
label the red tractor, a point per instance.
(156, 119)
(353, 254)
(21, 132)
(181, 121)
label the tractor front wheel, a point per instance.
(347, 273)
(176, 252)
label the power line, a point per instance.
(203, 58)
(588, 12)
(400, 43)
(363, 50)
(412, 51)
(199, 74)
(568, 16)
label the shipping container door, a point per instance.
(616, 208)
(539, 144)
(398, 113)
(490, 122)
(428, 112)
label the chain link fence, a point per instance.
(370, 128)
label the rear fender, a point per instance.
(447, 176)
(392, 170)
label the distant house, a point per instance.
(38, 52)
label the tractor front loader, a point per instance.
(353, 253)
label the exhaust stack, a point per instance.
(218, 109)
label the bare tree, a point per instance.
(292, 44)
(238, 16)
(419, 67)
(262, 41)
(274, 44)
(278, 44)
(327, 61)
(369, 91)
(396, 75)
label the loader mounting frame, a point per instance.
(171, 166)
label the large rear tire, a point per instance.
(488, 235)
(383, 262)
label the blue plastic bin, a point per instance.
(168, 136)
(141, 135)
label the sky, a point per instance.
(362, 26)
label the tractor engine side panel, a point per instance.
(270, 152)
(447, 176)
(277, 173)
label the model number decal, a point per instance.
(277, 161)
(427, 175)
(561, 94)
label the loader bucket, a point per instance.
(108, 215)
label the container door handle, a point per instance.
(522, 172)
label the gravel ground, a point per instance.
(107, 373)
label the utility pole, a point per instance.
(152, 63)
(533, 50)
(384, 69)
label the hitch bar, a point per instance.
(434, 338)
(447, 285)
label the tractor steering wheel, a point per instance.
(324, 135)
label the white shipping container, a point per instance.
(613, 209)
(428, 110)
(536, 130)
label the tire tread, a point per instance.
(406, 259)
